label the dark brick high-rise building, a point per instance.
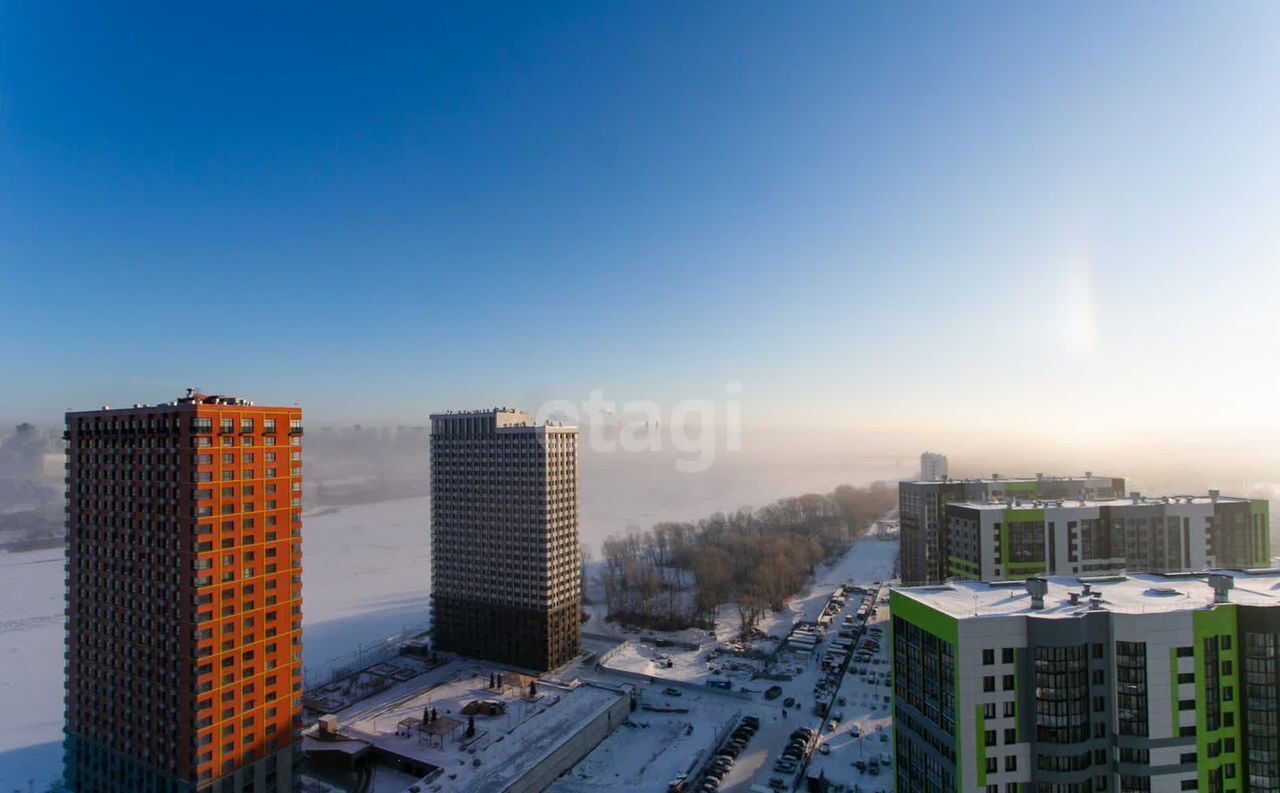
(184, 597)
(506, 580)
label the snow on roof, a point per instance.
(506, 746)
(1135, 593)
(1016, 479)
(1074, 503)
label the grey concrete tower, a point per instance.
(505, 563)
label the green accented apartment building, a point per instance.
(1142, 682)
(922, 509)
(1167, 534)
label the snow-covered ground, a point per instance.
(649, 752)
(31, 628)
(647, 759)
(366, 575)
(868, 559)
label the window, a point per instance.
(1006, 655)
(989, 683)
(988, 657)
(1008, 683)
(1131, 688)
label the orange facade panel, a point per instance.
(206, 494)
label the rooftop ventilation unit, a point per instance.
(1222, 586)
(1037, 588)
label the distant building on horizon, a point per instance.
(933, 467)
(1139, 682)
(506, 582)
(184, 597)
(922, 511)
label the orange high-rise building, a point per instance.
(184, 597)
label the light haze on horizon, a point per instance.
(1038, 218)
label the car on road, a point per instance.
(824, 749)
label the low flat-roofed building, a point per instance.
(521, 740)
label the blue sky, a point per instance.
(1010, 210)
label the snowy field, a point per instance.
(366, 575)
(31, 627)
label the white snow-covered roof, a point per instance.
(1075, 503)
(1134, 593)
(506, 745)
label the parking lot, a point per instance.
(831, 666)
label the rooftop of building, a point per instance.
(505, 418)
(192, 398)
(1133, 593)
(514, 731)
(1132, 500)
(996, 478)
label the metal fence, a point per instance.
(360, 658)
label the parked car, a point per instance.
(672, 691)
(773, 692)
(788, 702)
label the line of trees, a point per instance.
(678, 574)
